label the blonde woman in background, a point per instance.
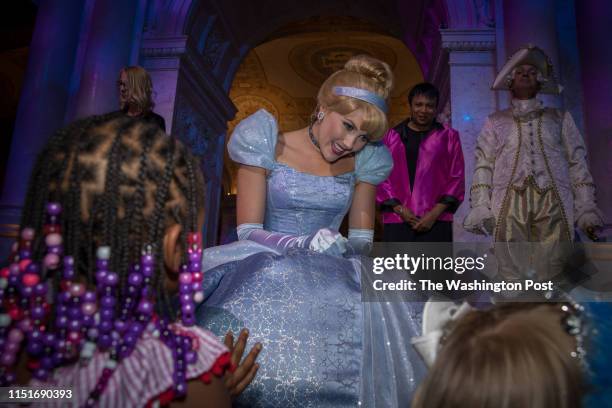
(135, 95)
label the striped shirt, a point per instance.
(140, 378)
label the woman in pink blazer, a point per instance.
(427, 184)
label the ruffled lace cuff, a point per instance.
(479, 220)
(585, 206)
(588, 219)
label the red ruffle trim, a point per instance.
(221, 365)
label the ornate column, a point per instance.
(42, 103)
(471, 57)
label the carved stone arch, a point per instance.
(168, 17)
(470, 14)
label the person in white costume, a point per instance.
(531, 180)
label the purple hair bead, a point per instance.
(54, 208)
(101, 276)
(108, 302)
(34, 348)
(41, 374)
(105, 326)
(102, 264)
(147, 260)
(62, 322)
(75, 325)
(106, 314)
(105, 341)
(90, 297)
(88, 320)
(33, 268)
(68, 261)
(40, 289)
(120, 326)
(135, 279)
(74, 313)
(147, 271)
(49, 339)
(26, 291)
(145, 307)
(25, 253)
(111, 279)
(37, 312)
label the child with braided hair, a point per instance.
(110, 230)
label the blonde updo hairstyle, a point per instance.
(362, 72)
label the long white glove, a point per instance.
(324, 240)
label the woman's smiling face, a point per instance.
(340, 135)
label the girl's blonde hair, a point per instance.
(140, 88)
(509, 356)
(362, 72)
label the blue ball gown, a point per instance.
(323, 346)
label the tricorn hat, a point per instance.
(529, 55)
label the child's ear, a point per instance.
(173, 250)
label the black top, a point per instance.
(152, 117)
(412, 140)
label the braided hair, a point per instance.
(120, 182)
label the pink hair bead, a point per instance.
(30, 279)
(51, 261)
(77, 289)
(27, 234)
(54, 239)
(89, 308)
(15, 336)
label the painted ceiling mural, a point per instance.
(283, 76)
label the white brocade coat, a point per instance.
(548, 147)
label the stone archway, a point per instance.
(194, 47)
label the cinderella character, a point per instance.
(292, 278)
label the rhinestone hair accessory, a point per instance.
(573, 323)
(437, 315)
(364, 95)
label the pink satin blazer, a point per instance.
(439, 173)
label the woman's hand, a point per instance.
(244, 373)
(327, 241)
(427, 221)
(407, 215)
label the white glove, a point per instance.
(480, 220)
(329, 242)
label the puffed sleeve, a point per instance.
(373, 164)
(253, 141)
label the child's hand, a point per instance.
(237, 381)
